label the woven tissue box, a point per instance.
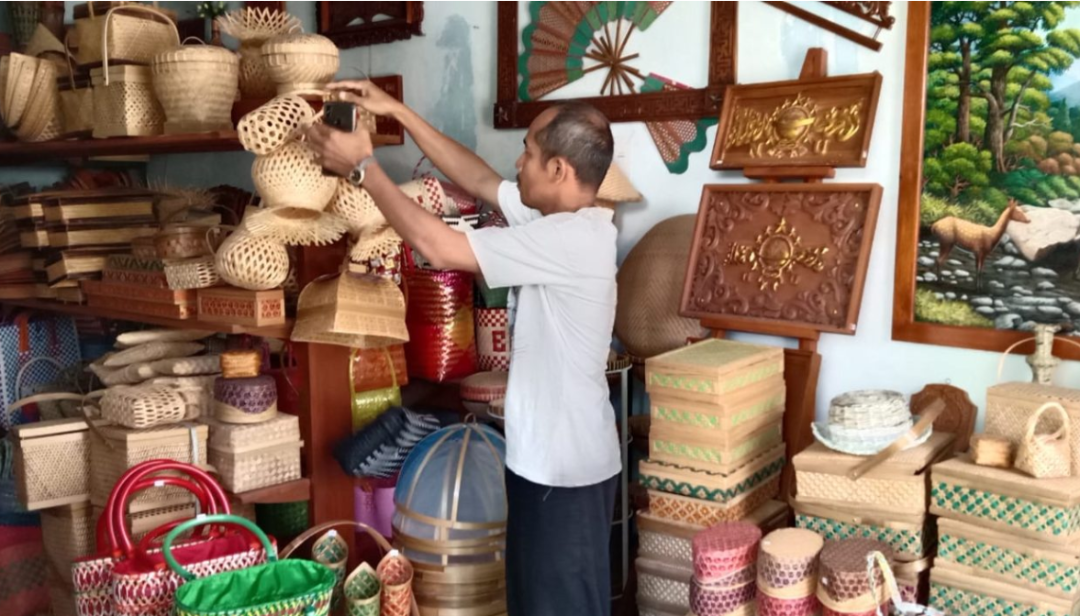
(1007, 501)
(961, 594)
(242, 307)
(714, 487)
(253, 456)
(900, 484)
(1042, 567)
(52, 463)
(711, 370)
(1009, 405)
(911, 536)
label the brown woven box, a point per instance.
(900, 484)
(68, 534)
(711, 486)
(52, 463)
(252, 456)
(1009, 405)
(706, 513)
(712, 369)
(699, 451)
(241, 307)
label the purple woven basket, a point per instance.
(247, 400)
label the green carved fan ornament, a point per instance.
(565, 41)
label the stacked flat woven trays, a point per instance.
(787, 571)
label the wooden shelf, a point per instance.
(290, 492)
(269, 331)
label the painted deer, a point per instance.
(973, 237)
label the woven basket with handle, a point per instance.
(133, 37)
(1045, 456)
(196, 85)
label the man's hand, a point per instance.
(338, 151)
(367, 96)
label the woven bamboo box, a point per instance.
(714, 487)
(241, 307)
(252, 456)
(138, 293)
(145, 520)
(745, 409)
(899, 484)
(664, 582)
(68, 534)
(712, 369)
(700, 451)
(52, 463)
(911, 536)
(114, 450)
(1043, 567)
(121, 304)
(676, 508)
(669, 540)
(960, 594)
(1007, 501)
(1009, 405)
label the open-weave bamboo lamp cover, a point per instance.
(351, 310)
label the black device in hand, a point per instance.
(340, 115)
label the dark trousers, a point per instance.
(557, 548)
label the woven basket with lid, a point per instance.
(725, 549)
(911, 536)
(253, 27)
(714, 487)
(664, 582)
(300, 61)
(253, 456)
(712, 370)
(789, 558)
(115, 449)
(844, 585)
(957, 593)
(196, 85)
(245, 400)
(675, 508)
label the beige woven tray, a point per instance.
(746, 409)
(711, 369)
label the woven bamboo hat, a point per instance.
(360, 311)
(865, 422)
(616, 188)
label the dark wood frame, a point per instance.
(386, 31)
(680, 105)
(905, 327)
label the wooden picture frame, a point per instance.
(334, 19)
(695, 103)
(905, 326)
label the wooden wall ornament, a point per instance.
(959, 415)
(876, 13)
(605, 49)
(380, 22)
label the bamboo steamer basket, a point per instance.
(133, 37)
(253, 27)
(251, 262)
(300, 61)
(292, 177)
(196, 85)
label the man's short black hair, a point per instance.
(582, 135)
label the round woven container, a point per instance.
(300, 61)
(788, 558)
(843, 585)
(251, 262)
(723, 549)
(706, 600)
(244, 401)
(484, 386)
(768, 606)
(253, 27)
(871, 408)
(291, 177)
(196, 86)
(186, 241)
(267, 128)
(240, 364)
(197, 273)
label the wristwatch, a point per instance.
(356, 176)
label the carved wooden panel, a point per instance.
(959, 415)
(876, 13)
(781, 253)
(379, 22)
(827, 121)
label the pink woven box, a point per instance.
(707, 600)
(724, 549)
(770, 606)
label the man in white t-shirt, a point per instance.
(558, 255)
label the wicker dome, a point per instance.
(650, 285)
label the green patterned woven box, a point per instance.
(701, 452)
(910, 536)
(739, 412)
(712, 370)
(1007, 501)
(1039, 566)
(958, 594)
(716, 487)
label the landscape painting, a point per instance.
(989, 229)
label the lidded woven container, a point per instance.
(52, 463)
(300, 61)
(196, 86)
(663, 582)
(253, 456)
(291, 177)
(1009, 405)
(484, 386)
(67, 533)
(844, 585)
(360, 311)
(134, 34)
(789, 557)
(245, 400)
(711, 370)
(143, 406)
(115, 449)
(958, 593)
(911, 536)
(724, 549)
(715, 600)
(678, 508)
(713, 487)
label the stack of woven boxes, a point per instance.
(1008, 543)
(716, 453)
(888, 504)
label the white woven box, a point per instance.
(252, 456)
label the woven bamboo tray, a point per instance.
(711, 486)
(700, 452)
(1052, 569)
(709, 370)
(911, 536)
(241, 307)
(746, 409)
(1009, 405)
(704, 513)
(899, 484)
(664, 582)
(1007, 501)
(67, 533)
(957, 593)
(52, 463)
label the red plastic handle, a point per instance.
(206, 503)
(104, 534)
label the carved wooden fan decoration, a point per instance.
(676, 139)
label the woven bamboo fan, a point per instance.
(350, 310)
(300, 61)
(292, 177)
(295, 227)
(251, 262)
(253, 27)
(196, 85)
(267, 128)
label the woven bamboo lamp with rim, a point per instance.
(253, 27)
(361, 311)
(616, 188)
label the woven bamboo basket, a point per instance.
(241, 307)
(68, 533)
(247, 400)
(957, 593)
(76, 101)
(714, 487)
(911, 536)
(251, 262)
(196, 85)
(240, 364)
(710, 370)
(704, 513)
(178, 242)
(300, 61)
(197, 273)
(253, 456)
(1009, 405)
(135, 35)
(747, 409)
(52, 463)
(725, 549)
(844, 584)
(356, 311)
(41, 117)
(292, 177)
(1049, 455)
(143, 406)
(253, 27)
(788, 559)
(680, 448)
(661, 539)
(664, 582)
(267, 128)
(996, 451)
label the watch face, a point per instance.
(356, 177)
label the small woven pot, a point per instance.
(1046, 456)
(186, 241)
(240, 364)
(267, 128)
(197, 273)
(995, 451)
(252, 263)
(143, 407)
(723, 549)
(300, 61)
(253, 27)
(243, 401)
(292, 177)
(196, 86)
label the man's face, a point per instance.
(535, 176)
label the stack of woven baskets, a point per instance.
(725, 570)
(31, 105)
(787, 572)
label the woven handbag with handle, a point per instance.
(1046, 455)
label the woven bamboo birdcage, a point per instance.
(452, 524)
(253, 27)
(361, 311)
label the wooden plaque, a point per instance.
(774, 256)
(805, 122)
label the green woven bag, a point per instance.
(277, 588)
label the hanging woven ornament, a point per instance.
(250, 262)
(295, 227)
(267, 128)
(291, 177)
(676, 139)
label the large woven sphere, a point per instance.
(451, 517)
(650, 281)
(251, 262)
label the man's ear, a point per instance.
(560, 169)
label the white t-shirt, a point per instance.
(560, 425)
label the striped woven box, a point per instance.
(1007, 501)
(711, 370)
(900, 484)
(958, 594)
(707, 513)
(1043, 567)
(745, 409)
(911, 536)
(716, 487)
(706, 453)
(664, 582)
